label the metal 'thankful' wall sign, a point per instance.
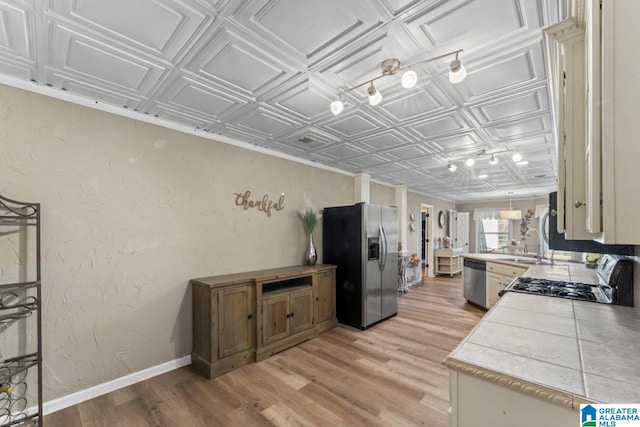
(265, 204)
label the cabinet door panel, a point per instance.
(301, 310)
(236, 319)
(325, 299)
(275, 318)
(494, 283)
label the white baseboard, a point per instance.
(100, 389)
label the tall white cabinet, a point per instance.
(593, 69)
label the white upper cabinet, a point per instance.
(594, 88)
(620, 122)
(566, 53)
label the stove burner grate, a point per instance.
(554, 288)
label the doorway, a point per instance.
(426, 213)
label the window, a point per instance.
(493, 234)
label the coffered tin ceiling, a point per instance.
(263, 72)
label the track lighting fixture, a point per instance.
(517, 158)
(493, 160)
(409, 79)
(452, 167)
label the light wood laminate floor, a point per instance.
(387, 375)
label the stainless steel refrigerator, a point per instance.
(362, 240)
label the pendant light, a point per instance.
(511, 214)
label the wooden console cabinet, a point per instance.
(246, 317)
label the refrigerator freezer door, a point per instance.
(389, 285)
(372, 280)
(344, 246)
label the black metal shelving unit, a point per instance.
(20, 347)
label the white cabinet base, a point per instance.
(476, 402)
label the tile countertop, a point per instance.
(561, 350)
(561, 270)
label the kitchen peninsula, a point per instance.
(532, 360)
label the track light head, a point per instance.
(470, 162)
(409, 79)
(337, 107)
(452, 167)
(493, 160)
(457, 72)
(517, 157)
(375, 97)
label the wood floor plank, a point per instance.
(387, 375)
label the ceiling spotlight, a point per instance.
(470, 162)
(409, 79)
(390, 67)
(493, 160)
(483, 176)
(337, 107)
(457, 72)
(452, 167)
(517, 157)
(522, 163)
(375, 97)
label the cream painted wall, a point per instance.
(130, 212)
(523, 205)
(383, 195)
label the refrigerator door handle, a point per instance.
(384, 249)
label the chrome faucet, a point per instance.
(539, 252)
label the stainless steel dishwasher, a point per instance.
(475, 289)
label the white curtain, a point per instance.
(487, 213)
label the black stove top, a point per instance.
(560, 289)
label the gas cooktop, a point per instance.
(559, 289)
(615, 284)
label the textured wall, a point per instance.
(383, 195)
(131, 212)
